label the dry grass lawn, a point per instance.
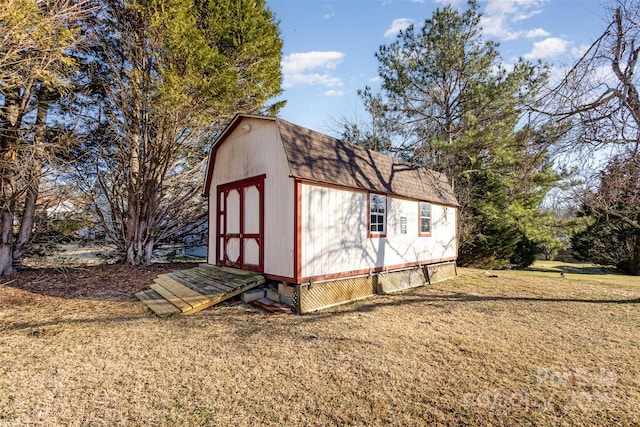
(517, 349)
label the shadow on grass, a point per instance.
(441, 301)
(588, 270)
(39, 329)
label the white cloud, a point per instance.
(398, 25)
(523, 16)
(538, 32)
(311, 69)
(512, 6)
(454, 3)
(499, 15)
(548, 47)
(334, 92)
(495, 25)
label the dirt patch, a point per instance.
(108, 282)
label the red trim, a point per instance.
(420, 233)
(457, 235)
(207, 180)
(243, 182)
(209, 230)
(222, 236)
(221, 194)
(303, 280)
(297, 221)
(373, 270)
(276, 278)
(386, 209)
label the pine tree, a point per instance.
(168, 74)
(448, 103)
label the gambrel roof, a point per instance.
(314, 156)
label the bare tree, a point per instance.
(599, 99)
(600, 96)
(599, 93)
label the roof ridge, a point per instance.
(357, 146)
(319, 157)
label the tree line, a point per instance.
(120, 100)
(506, 136)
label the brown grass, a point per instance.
(517, 349)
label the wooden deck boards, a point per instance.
(157, 303)
(189, 291)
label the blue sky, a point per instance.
(329, 46)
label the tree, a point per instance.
(614, 207)
(37, 38)
(599, 93)
(599, 97)
(447, 102)
(166, 75)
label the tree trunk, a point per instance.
(6, 245)
(9, 123)
(132, 225)
(33, 176)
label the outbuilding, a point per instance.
(328, 220)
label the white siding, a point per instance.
(335, 230)
(248, 154)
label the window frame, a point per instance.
(377, 234)
(420, 232)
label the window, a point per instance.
(425, 218)
(377, 214)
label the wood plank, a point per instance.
(236, 271)
(225, 273)
(219, 298)
(206, 289)
(215, 273)
(189, 291)
(207, 284)
(188, 283)
(232, 273)
(172, 298)
(231, 279)
(172, 280)
(186, 280)
(207, 279)
(157, 303)
(272, 306)
(215, 289)
(191, 296)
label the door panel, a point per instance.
(232, 200)
(251, 210)
(251, 252)
(232, 250)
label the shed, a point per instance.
(329, 220)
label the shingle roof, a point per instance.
(318, 157)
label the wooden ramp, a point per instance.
(189, 291)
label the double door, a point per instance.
(240, 224)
